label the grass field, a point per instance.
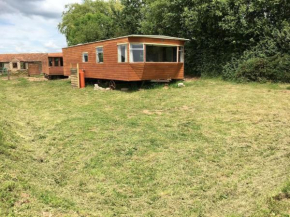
(210, 149)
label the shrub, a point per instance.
(262, 63)
(275, 69)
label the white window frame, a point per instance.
(132, 49)
(83, 57)
(120, 54)
(164, 45)
(181, 54)
(97, 54)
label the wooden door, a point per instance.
(33, 69)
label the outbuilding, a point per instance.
(34, 63)
(128, 58)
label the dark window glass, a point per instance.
(85, 57)
(23, 65)
(14, 65)
(50, 60)
(61, 61)
(122, 52)
(100, 55)
(161, 54)
(56, 61)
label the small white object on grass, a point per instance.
(181, 85)
(97, 87)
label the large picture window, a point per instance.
(158, 53)
(100, 55)
(136, 53)
(122, 53)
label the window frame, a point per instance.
(162, 45)
(180, 54)
(61, 61)
(132, 49)
(57, 61)
(83, 57)
(50, 60)
(16, 66)
(23, 65)
(97, 55)
(119, 52)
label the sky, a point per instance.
(28, 26)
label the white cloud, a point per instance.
(24, 31)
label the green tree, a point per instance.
(131, 16)
(91, 21)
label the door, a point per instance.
(33, 69)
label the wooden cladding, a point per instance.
(34, 68)
(113, 69)
(55, 65)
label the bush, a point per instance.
(275, 69)
(262, 63)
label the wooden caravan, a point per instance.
(55, 64)
(129, 58)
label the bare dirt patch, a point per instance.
(191, 78)
(156, 112)
(36, 79)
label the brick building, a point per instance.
(33, 63)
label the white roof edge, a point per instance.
(133, 36)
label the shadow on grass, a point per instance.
(134, 86)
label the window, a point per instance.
(56, 61)
(100, 55)
(85, 57)
(61, 61)
(14, 65)
(1, 65)
(136, 53)
(23, 65)
(122, 53)
(181, 55)
(156, 53)
(50, 61)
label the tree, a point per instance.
(219, 30)
(91, 21)
(131, 16)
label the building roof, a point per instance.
(26, 57)
(55, 55)
(136, 36)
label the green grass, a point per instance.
(212, 148)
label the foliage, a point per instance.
(219, 30)
(91, 21)
(263, 62)
(131, 16)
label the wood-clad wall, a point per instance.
(55, 70)
(110, 69)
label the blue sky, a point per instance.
(28, 26)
